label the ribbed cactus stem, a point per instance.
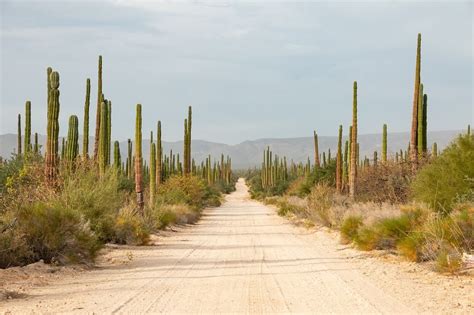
(159, 156)
(36, 147)
(52, 129)
(384, 143)
(316, 149)
(354, 156)
(72, 149)
(138, 157)
(117, 157)
(99, 111)
(103, 139)
(152, 170)
(345, 168)
(434, 150)
(63, 149)
(85, 132)
(339, 162)
(19, 151)
(419, 136)
(27, 127)
(424, 133)
(416, 95)
(468, 130)
(129, 159)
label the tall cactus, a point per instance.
(117, 157)
(434, 150)
(152, 170)
(36, 147)
(27, 145)
(469, 130)
(138, 158)
(354, 157)
(19, 151)
(424, 133)
(316, 149)
(414, 121)
(339, 162)
(72, 149)
(103, 139)
(109, 130)
(345, 169)
(384, 143)
(129, 159)
(419, 136)
(159, 155)
(53, 128)
(187, 142)
(85, 133)
(98, 112)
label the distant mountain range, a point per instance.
(249, 153)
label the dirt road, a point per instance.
(243, 258)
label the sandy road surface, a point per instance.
(241, 258)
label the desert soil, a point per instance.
(241, 258)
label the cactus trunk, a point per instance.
(138, 158)
(99, 111)
(19, 151)
(354, 157)
(72, 148)
(414, 121)
(339, 162)
(53, 128)
(27, 146)
(384, 143)
(85, 133)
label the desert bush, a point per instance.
(350, 228)
(388, 232)
(130, 228)
(448, 178)
(188, 190)
(57, 234)
(387, 182)
(97, 199)
(319, 176)
(320, 201)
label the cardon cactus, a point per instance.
(316, 149)
(138, 157)
(19, 151)
(36, 147)
(339, 162)
(103, 139)
(434, 150)
(354, 156)
(384, 143)
(98, 112)
(52, 133)
(85, 139)
(152, 170)
(72, 149)
(117, 157)
(414, 118)
(27, 127)
(159, 156)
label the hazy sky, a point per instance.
(250, 69)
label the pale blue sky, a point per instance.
(250, 69)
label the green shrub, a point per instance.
(447, 178)
(98, 199)
(320, 201)
(129, 227)
(57, 234)
(412, 246)
(350, 228)
(189, 190)
(13, 247)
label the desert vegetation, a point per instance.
(416, 201)
(62, 203)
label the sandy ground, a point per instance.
(243, 258)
